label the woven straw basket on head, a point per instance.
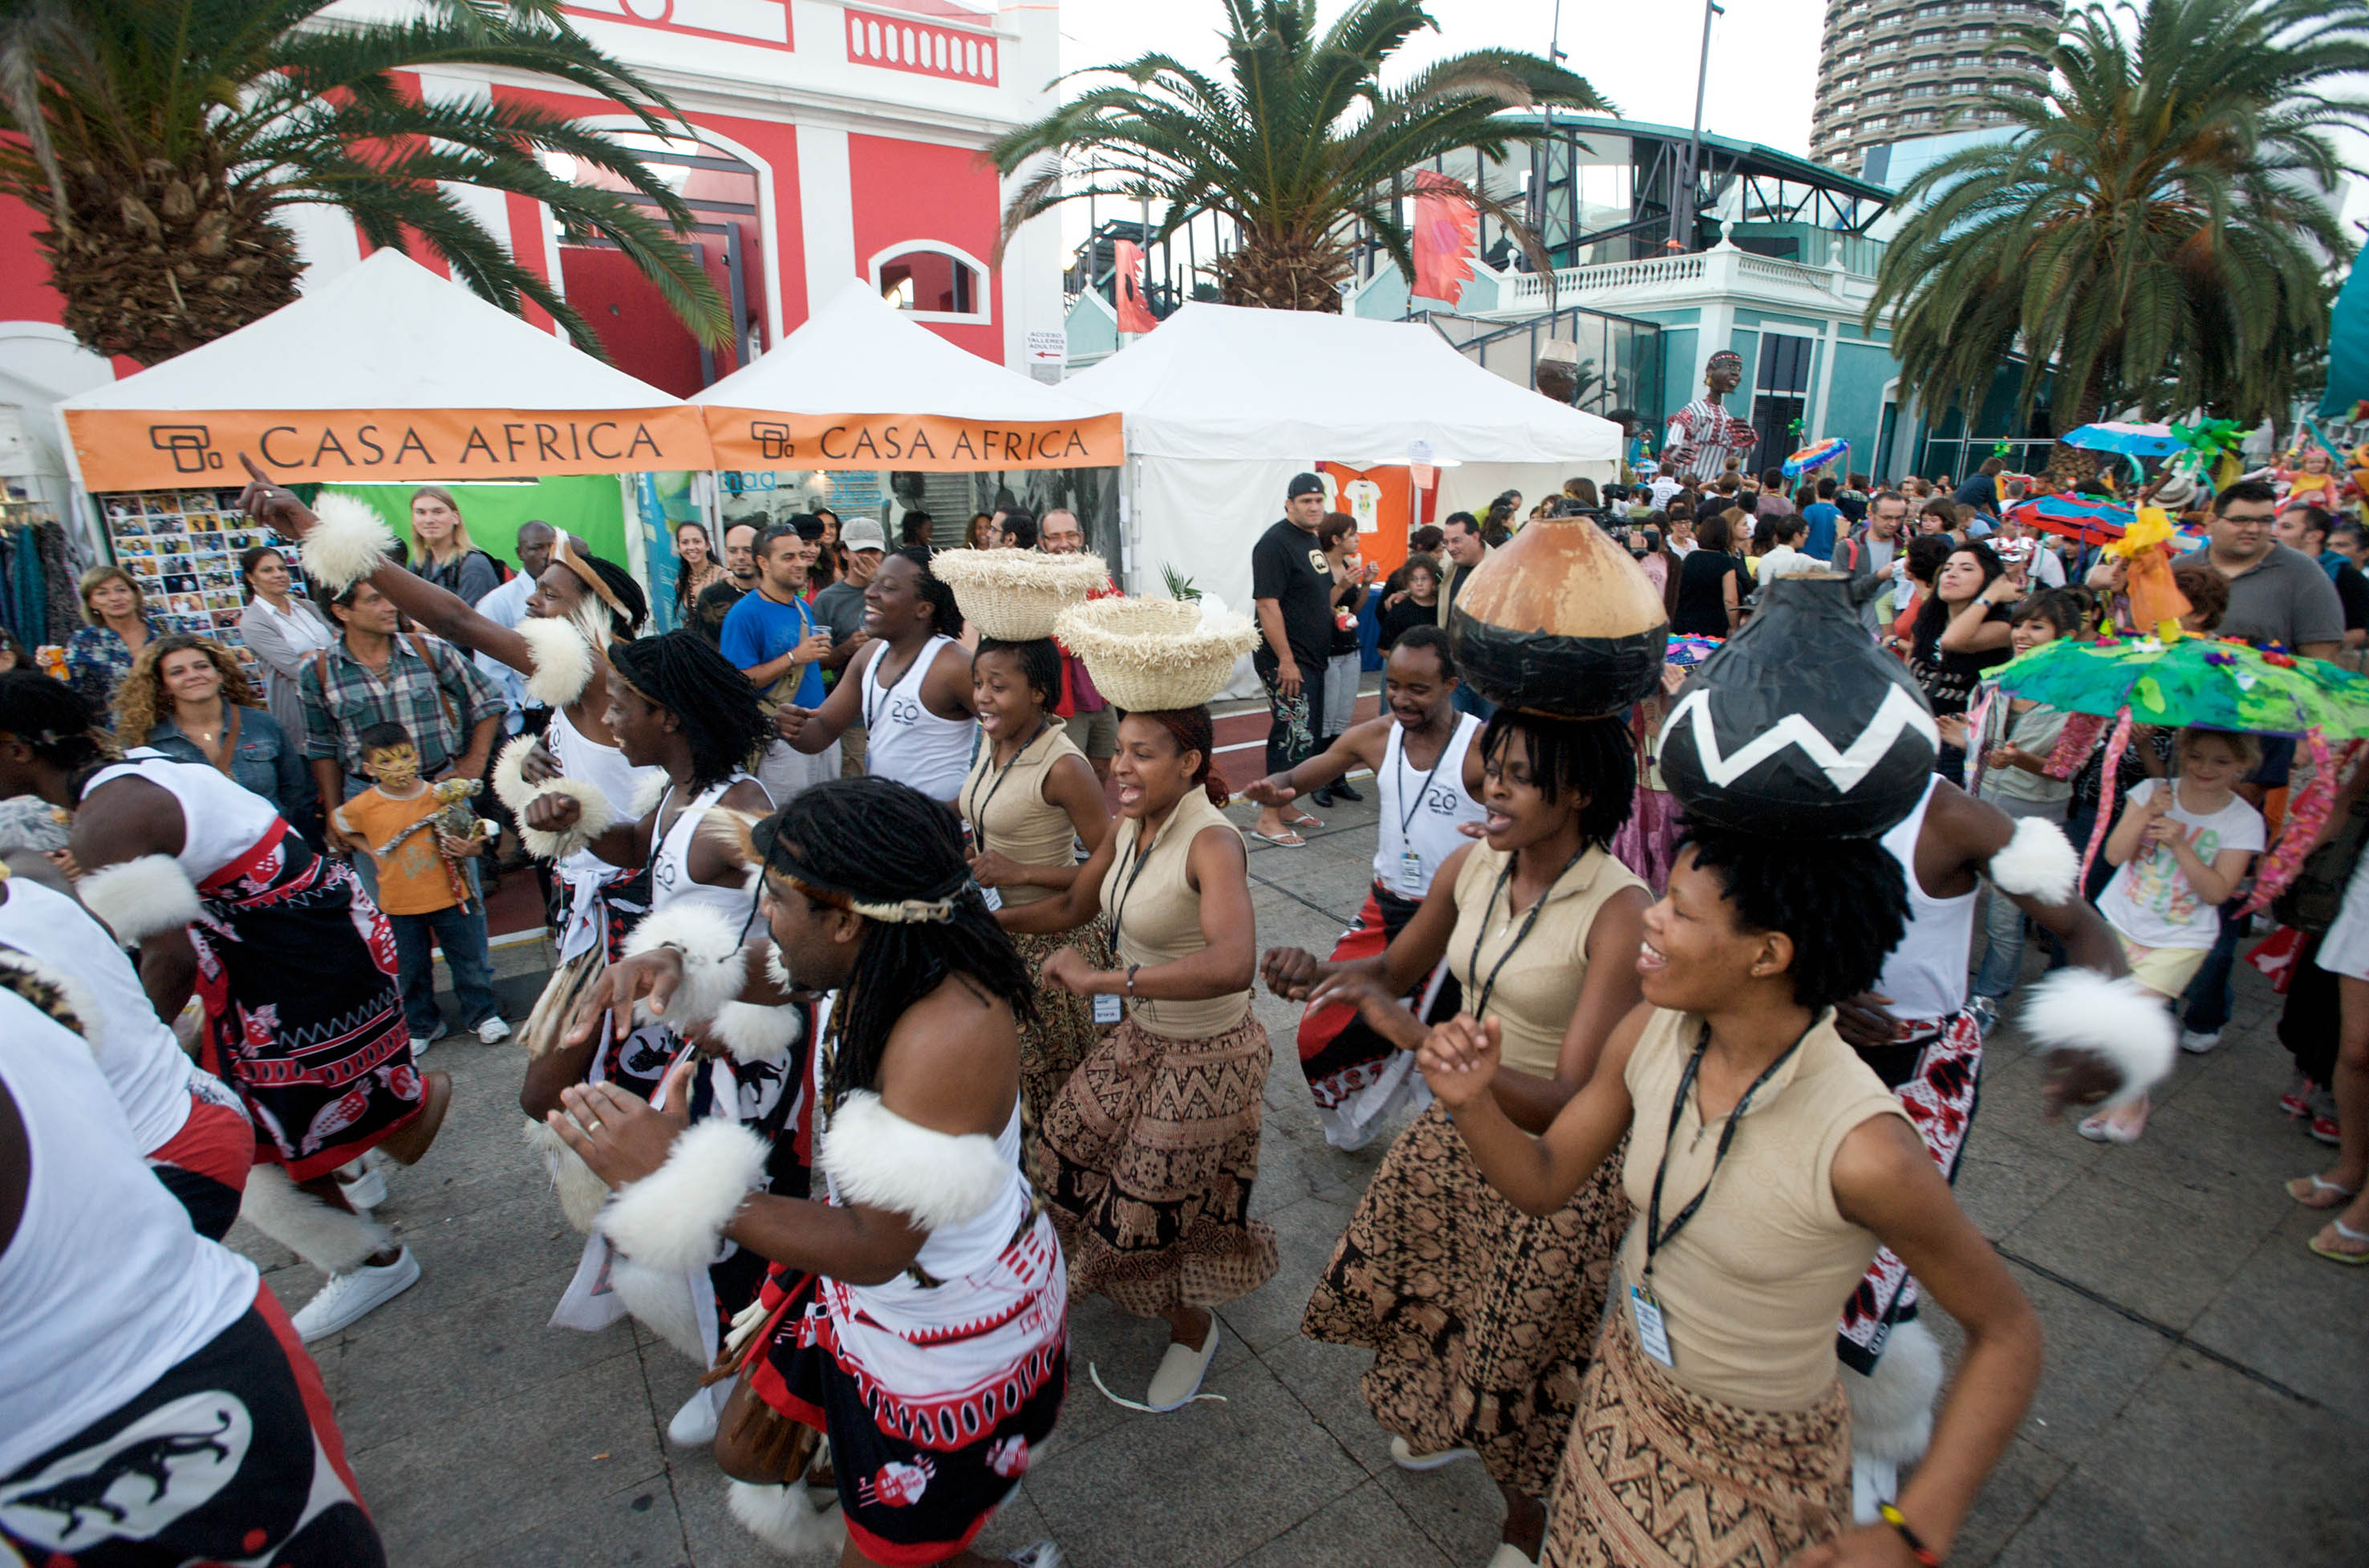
(1155, 655)
(1014, 596)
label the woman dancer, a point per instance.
(1711, 1424)
(911, 685)
(1481, 1318)
(928, 1336)
(1148, 1153)
(1030, 795)
(293, 964)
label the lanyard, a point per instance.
(1655, 1237)
(1480, 1008)
(872, 682)
(1142, 858)
(979, 807)
(1407, 817)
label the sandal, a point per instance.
(2318, 1192)
(1304, 821)
(1286, 840)
(2354, 1256)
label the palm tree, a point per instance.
(2157, 229)
(163, 138)
(1301, 144)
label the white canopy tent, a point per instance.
(1223, 405)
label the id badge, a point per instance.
(1107, 1009)
(1410, 871)
(1647, 1313)
(993, 897)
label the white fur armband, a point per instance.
(713, 969)
(648, 792)
(876, 1157)
(753, 1033)
(563, 664)
(2081, 1009)
(348, 542)
(511, 787)
(581, 1193)
(671, 1221)
(510, 773)
(2038, 862)
(140, 899)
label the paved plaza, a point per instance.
(2205, 1399)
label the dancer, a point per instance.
(1711, 1424)
(185, 1122)
(911, 685)
(159, 1407)
(930, 1340)
(1421, 752)
(293, 964)
(1481, 1318)
(1148, 1153)
(1030, 795)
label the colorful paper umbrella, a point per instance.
(2088, 519)
(2198, 681)
(1688, 651)
(1817, 454)
(2133, 441)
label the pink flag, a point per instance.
(1444, 229)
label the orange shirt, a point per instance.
(414, 876)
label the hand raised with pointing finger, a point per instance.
(272, 504)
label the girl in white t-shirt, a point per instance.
(2183, 849)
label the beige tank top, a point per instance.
(1157, 917)
(1538, 988)
(1008, 812)
(1750, 1291)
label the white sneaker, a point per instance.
(349, 1297)
(2197, 1042)
(493, 1031)
(1037, 1554)
(694, 1426)
(419, 1042)
(1402, 1455)
(367, 1190)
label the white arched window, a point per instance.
(935, 281)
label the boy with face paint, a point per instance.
(422, 887)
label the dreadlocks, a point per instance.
(55, 721)
(879, 842)
(1591, 757)
(946, 618)
(721, 720)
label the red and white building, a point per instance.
(827, 140)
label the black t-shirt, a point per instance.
(714, 602)
(1399, 618)
(1949, 679)
(1287, 565)
(1702, 602)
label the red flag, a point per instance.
(1444, 229)
(1134, 311)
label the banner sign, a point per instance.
(752, 439)
(127, 450)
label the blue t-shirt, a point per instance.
(1820, 516)
(758, 631)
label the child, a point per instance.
(2182, 849)
(2015, 779)
(423, 887)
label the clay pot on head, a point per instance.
(1559, 621)
(1799, 725)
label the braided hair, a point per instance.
(945, 617)
(876, 841)
(56, 722)
(722, 721)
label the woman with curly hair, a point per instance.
(188, 698)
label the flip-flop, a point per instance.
(1286, 840)
(2343, 1234)
(2321, 1193)
(1304, 821)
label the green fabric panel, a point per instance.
(589, 506)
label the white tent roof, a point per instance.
(859, 354)
(1224, 382)
(387, 334)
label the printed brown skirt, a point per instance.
(1656, 1476)
(1481, 1318)
(1145, 1160)
(1064, 1030)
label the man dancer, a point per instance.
(1703, 435)
(1428, 774)
(1291, 587)
(1918, 1033)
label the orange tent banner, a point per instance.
(135, 450)
(753, 438)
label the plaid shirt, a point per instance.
(413, 694)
